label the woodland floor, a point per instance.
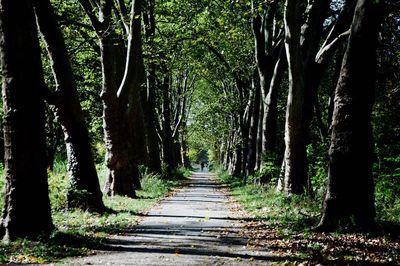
(201, 224)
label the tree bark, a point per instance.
(267, 52)
(350, 192)
(122, 80)
(27, 207)
(167, 143)
(121, 171)
(302, 42)
(295, 158)
(270, 103)
(252, 141)
(84, 191)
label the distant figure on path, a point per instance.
(202, 166)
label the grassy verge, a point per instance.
(80, 233)
(284, 225)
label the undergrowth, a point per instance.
(288, 213)
(283, 225)
(79, 232)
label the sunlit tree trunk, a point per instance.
(84, 191)
(27, 207)
(268, 44)
(301, 42)
(122, 69)
(350, 192)
(294, 179)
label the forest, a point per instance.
(107, 105)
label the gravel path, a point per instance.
(195, 226)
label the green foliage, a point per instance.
(58, 185)
(387, 189)
(269, 172)
(318, 166)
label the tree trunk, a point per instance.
(295, 157)
(259, 135)
(122, 106)
(252, 142)
(267, 52)
(150, 120)
(350, 192)
(270, 115)
(139, 155)
(310, 42)
(27, 207)
(84, 191)
(53, 137)
(167, 143)
(184, 147)
(149, 97)
(121, 172)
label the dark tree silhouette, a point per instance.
(27, 206)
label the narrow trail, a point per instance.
(195, 226)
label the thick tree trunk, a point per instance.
(122, 112)
(27, 207)
(121, 171)
(295, 157)
(84, 191)
(350, 192)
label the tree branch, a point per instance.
(327, 48)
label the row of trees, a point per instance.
(145, 104)
(322, 56)
(259, 83)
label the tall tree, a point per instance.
(84, 191)
(295, 157)
(149, 96)
(27, 207)
(268, 42)
(301, 41)
(123, 73)
(350, 192)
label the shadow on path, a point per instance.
(193, 227)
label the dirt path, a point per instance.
(195, 226)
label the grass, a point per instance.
(80, 233)
(292, 214)
(283, 224)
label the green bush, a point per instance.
(58, 186)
